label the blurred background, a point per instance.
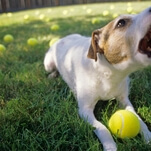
(15, 5)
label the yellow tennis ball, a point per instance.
(115, 15)
(32, 42)
(2, 48)
(55, 27)
(8, 38)
(105, 13)
(53, 41)
(95, 21)
(124, 124)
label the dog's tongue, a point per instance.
(145, 44)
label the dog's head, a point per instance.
(128, 37)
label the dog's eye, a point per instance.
(121, 23)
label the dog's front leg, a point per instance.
(125, 102)
(86, 112)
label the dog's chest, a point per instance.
(108, 87)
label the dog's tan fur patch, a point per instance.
(112, 43)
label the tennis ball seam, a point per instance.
(122, 126)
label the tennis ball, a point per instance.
(8, 38)
(105, 13)
(32, 42)
(9, 14)
(115, 15)
(89, 11)
(2, 48)
(26, 17)
(129, 4)
(129, 9)
(124, 124)
(112, 7)
(41, 16)
(55, 27)
(53, 41)
(95, 21)
(65, 12)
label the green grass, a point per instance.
(37, 114)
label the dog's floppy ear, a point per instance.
(94, 47)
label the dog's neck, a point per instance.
(121, 70)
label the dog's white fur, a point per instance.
(112, 55)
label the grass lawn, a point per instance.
(37, 114)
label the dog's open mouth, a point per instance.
(145, 44)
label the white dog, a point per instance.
(97, 68)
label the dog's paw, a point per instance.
(147, 137)
(110, 147)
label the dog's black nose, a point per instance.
(150, 9)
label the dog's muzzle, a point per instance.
(145, 44)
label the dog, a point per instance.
(97, 67)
